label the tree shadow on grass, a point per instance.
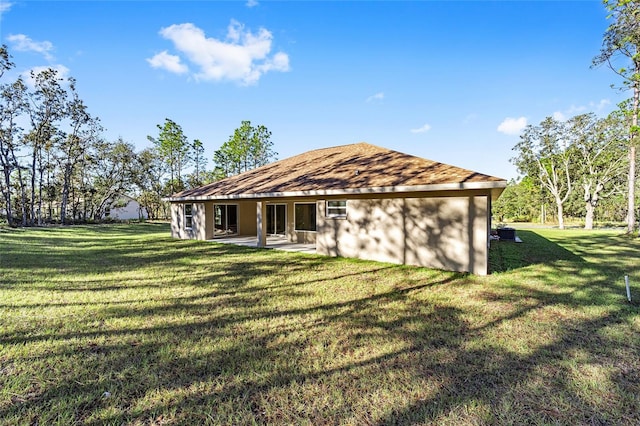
(52, 255)
(535, 249)
(614, 254)
(446, 370)
(604, 250)
(258, 337)
(539, 387)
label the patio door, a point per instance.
(225, 219)
(276, 219)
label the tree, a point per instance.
(249, 147)
(260, 147)
(600, 144)
(199, 161)
(173, 148)
(149, 173)
(544, 153)
(519, 202)
(5, 60)
(59, 160)
(620, 51)
(12, 105)
(74, 145)
(114, 173)
(47, 108)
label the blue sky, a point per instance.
(450, 81)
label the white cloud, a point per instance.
(422, 129)
(63, 72)
(4, 7)
(252, 3)
(377, 97)
(243, 56)
(168, 62)
(599, 106)
(574, 110)
(512, 126)
(23, 43)
(559, 116)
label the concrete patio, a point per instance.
(273, 242)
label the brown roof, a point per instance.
(347, 168)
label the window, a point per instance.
(188, 216)
(225, 219)
(305, 216)
(337, 208)
(276, 219)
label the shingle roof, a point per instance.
(359, 167)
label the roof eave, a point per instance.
(496, 188)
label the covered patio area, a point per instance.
(273, 242)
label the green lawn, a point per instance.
(122, 325)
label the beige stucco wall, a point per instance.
(443, 232)
(246, 217)
(199, 229)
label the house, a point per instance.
(125, 207)
(356, 200)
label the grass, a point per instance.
(122, 325)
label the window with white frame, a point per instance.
(188, 216)
(337, 208)
(305, 216)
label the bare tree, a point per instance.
(600, 146)
(545, 153)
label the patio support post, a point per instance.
(261, 216)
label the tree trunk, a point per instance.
(7, 194)
(74, 202)
(588, 220)
(41, 178)
(5, 162)
(631, 215)
(65, 194)
(589, 204)
(23, 192)
(23, 198)
(49, 207)
(560, 214)
(32, 204)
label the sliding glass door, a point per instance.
(276, 219)
(225, 219)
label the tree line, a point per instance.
(56, 166)
(572, 168)
(585, 166)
